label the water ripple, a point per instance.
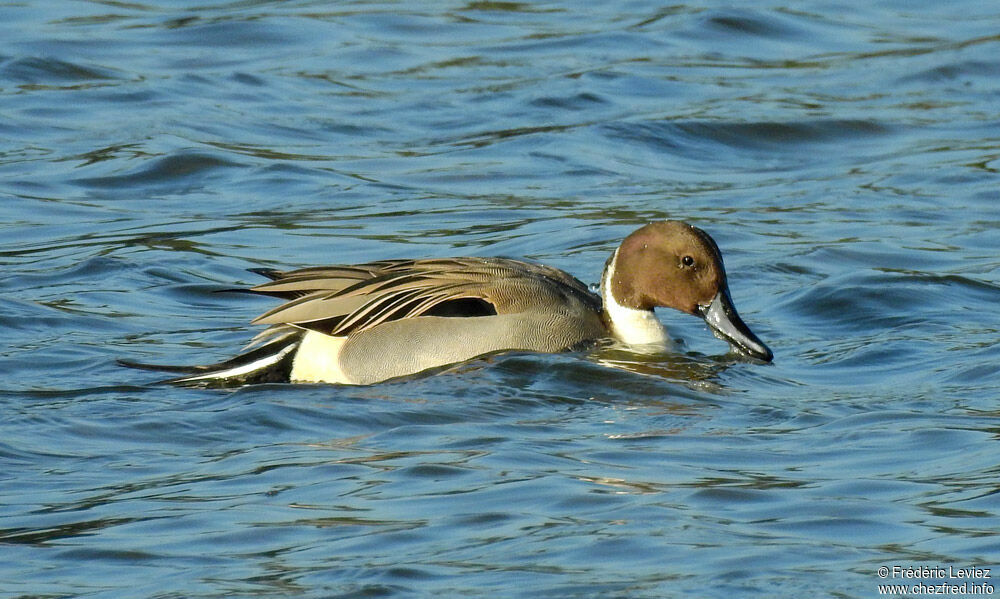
(184, 166)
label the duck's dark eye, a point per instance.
(687, 261)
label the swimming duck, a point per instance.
(366, 323)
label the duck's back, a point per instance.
(392, 318)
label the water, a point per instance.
(845, 158)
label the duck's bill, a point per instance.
(726, 324)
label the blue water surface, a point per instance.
(844, 155)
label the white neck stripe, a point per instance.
(630, 325)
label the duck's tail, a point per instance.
(267, 361)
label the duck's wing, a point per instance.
(297, 283)
(340, 300)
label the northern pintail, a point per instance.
(366, 323)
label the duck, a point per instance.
(367, 323)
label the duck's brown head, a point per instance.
(675, 265)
